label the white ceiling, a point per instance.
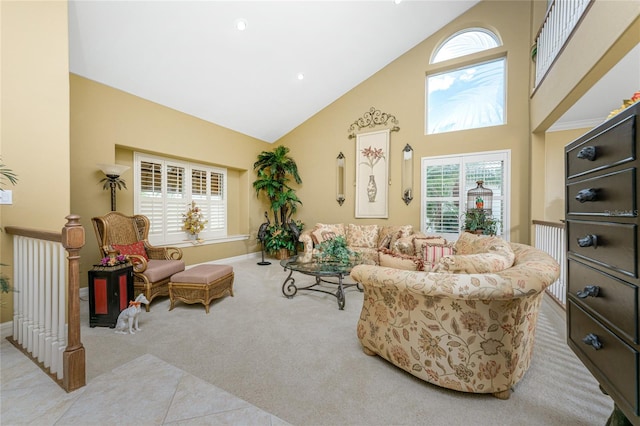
(620, 83)
(189, 56)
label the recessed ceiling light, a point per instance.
(396, 1)
(300, 76)
(241, 24)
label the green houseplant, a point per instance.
(275, 170)
(335, 250)
(479, 222)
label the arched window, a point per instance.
(464, 43)
(468, 97)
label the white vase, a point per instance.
(372, 189)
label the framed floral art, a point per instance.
(372, 174)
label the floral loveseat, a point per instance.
(388, 245)
(471, 332)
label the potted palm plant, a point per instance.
(275, 170)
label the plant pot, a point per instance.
(283, 253)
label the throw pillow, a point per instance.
(384, 242)
(390, 259)
(135, 248)
(362, 235)
(390, 230)
(323, 232)
(420, 244)
(402, 232)
(481, 263)
(465, 243)
(404, 245)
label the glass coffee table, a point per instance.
(321, 272)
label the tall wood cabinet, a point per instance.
(602, 186)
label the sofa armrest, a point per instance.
(163, 253)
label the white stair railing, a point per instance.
(561, 19)
(46, 300)
(550, 238)
(39, 305)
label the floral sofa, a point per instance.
(388, 245)
(459, 325)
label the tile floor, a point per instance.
(145, 391)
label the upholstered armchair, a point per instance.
(471, 332)
(152, 266)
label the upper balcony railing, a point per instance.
(562, 17)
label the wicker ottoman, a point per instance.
(201, 284)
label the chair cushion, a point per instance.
(202, 274)
(160, 269)
(135, 248)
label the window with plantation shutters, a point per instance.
(445, 182)
(164, 190)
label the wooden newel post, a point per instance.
(74, 354)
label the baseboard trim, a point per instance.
(6, 329)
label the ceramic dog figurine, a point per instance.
(128, 318)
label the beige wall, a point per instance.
(108, 125)
(399, 89)
(34, 134)
(554, 161)
(608, 32)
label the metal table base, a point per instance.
(289, 287)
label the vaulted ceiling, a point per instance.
(190, 56)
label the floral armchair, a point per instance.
(152, 266)
(471, 332)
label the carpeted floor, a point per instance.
(300, 360)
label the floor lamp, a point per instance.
(112, 180)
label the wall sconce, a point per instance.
(113, 172)
(407, 174)
(340, 178)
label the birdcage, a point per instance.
(480, 198)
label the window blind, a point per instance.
(164, 190)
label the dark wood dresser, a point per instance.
(602, 186)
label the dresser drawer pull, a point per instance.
(587, 153)
(588, 241)
(592, 339)
(589, 194)
(590, 290)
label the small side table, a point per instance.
(110, 290)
